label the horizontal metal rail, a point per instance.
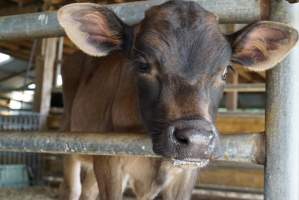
(45, 24)
(238, 148)
(202, 193)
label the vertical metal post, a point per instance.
(282, 116)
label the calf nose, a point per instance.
(190, 137)
(193, 143)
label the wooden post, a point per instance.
(44, 79)
(232, 97)
(233, 78)
(59, 61)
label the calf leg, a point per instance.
(71, 73)
(71, 186)
(152, 179)
(108, 171)
(90, 189)
(181, 188)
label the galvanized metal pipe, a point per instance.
(243, 148)
(45, 24)
(282, 116)
(202, 193)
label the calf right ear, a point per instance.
(262, 45)
(94, 29)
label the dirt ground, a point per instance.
(31, 193)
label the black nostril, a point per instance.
(181, 137)
(191, 137)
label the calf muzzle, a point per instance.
(188, 140)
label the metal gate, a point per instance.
(282, 116)
(25, 122)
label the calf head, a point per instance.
(181, 61)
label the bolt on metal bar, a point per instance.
(45, 24)
(282, 116)
(247, 148)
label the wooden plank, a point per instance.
(245, 87)
(23, 1)
(231, 101)
(230, 124)
(227, 124)
(44, 79)
(16, 10)
(245, 74)
(232, 97)
(252, 178)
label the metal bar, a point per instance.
(282, 116)
(220, 194)
(33, 25)
(255, 87)
(45, 24)
(241, 148)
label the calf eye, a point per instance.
(143, 67)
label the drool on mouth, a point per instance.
(190, 163)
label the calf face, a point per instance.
(181, 60)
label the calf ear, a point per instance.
(94, 29)
(262, 45)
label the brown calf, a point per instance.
(164, 75)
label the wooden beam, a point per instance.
(227, 124)
(7, 98)
(22, 54)
(23, 1)
(245, 74)
(233, 78)
(245, 87)
(233, 177)
(241, 123)
(12, 75)
(16, 10)
(232, 97)
(262, 74)
(44, 79)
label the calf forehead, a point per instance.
(184, 38)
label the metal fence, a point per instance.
(282, 168)
(23, 123)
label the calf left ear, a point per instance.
(262, 45)
(94, 29)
